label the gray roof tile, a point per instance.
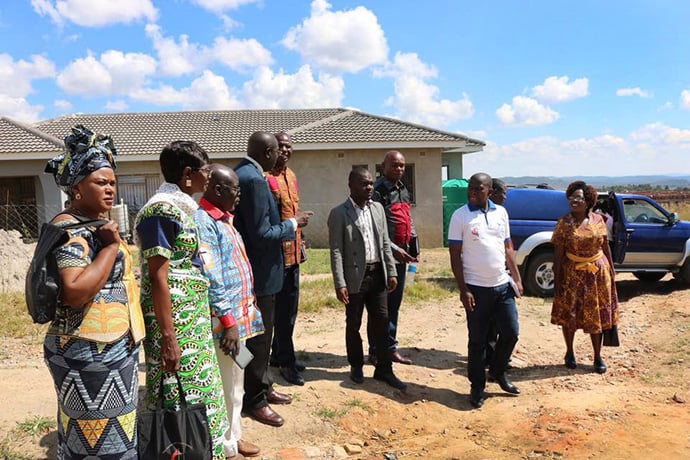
(16, 137)
(226, 131)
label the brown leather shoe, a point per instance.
(267, 416)
(248, 449)
(273, 397)
(398, 358)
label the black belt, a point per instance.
(375, 266)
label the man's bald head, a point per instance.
(263, 147)
(223, 187)
(393, 165)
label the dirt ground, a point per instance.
(638, 409)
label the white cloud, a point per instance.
(294, 91)
(526, 111)
(116, 106)
(182, 57)
(659, 133)
(338, 41)
(16, 76)
(417, 100)
(632, 92)
(62, 105)
(240, 55)
(19, 108)
(207, 92)
(175, 59)
(557, 89)
(46, 8)
(685, 99)
(218, 6)
(651, 149)
(96, 13)
(668, 105)
(128, 70)
(114, 73)
(85, 76)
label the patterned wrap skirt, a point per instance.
(199, 373)
(96, 386)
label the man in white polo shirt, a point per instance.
(480, 249)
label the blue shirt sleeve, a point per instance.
(157, 235)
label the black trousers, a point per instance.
(256, 381)
(287, 301)
(372, 295)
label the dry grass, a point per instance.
(16, 322)
(681, 207)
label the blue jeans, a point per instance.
(490, 302)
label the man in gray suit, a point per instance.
(363, 273)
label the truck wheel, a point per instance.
(649, 277)
(539, 274)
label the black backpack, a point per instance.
(42, 288)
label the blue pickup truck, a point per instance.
(646, 239)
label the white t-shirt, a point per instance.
(483, 236)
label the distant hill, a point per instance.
(601, 182)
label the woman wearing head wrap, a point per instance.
(584, 280)
(174, 294)
(92, 345)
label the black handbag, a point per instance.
(611, 337)
(167, 433)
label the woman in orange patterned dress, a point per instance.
(584, 287)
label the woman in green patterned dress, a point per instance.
(174, 292)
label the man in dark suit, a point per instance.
(363, 273)
(258, 221)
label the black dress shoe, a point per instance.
(505, 384)
(267, 416)
(273, 397)
(599, 366)
(570, 362)
(356, 375)
(398, 358)
(477, 398)
(390, 378)
(292, 376)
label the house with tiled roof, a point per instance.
(327, 144)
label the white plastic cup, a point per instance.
(411, 271)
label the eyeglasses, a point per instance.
(205, 170)
(576, 198)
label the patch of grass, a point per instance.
(318, 261)
(427, 290)
(331, 414)
(36, 425)
(315, 295)
(7, 451)
(355, 402)
(16, 322)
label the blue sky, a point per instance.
(555, 88)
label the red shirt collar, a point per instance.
(213, 211)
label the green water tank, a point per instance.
(454, 192)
